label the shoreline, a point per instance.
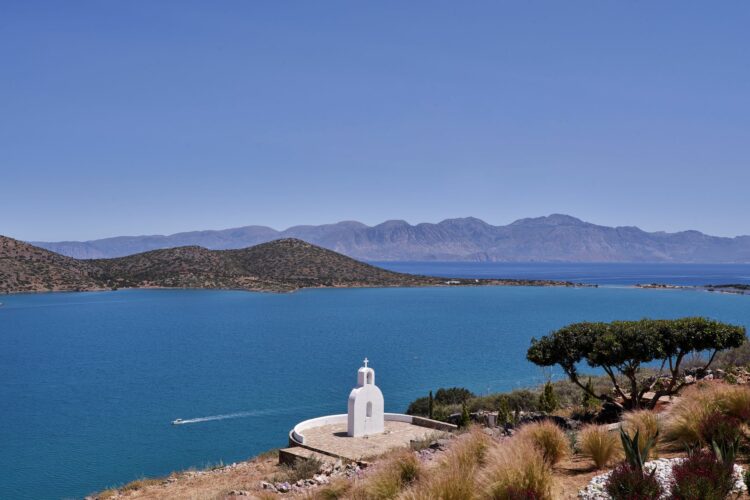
(440, 283)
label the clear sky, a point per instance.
(142, 117)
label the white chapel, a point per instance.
(365, 416)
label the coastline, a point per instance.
(429, 283)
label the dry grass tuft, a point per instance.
(391, 478)
(107, 494)
(338, 489)
(516, 470)
(261, 495)
(734, 401)
(683, 426)
(646, 423)
(698, 404)
(599, 444)
(454, 478)
(548, 438)
(300, 469)
(139, 484)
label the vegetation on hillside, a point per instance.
(26, 268)
(281, 265)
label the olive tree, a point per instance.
(621, 348)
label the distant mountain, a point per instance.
(556, 238)
(280, 265)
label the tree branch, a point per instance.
(710, 360)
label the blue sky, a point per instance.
(148, 117)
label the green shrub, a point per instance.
(465, 417)
(504, 413)
(419, 407)
(547, 399)
(430, 405)
(453, 396)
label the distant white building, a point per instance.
(366, 409)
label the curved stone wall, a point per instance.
(296, 435)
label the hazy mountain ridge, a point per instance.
(556, 237)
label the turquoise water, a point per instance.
(89, 382)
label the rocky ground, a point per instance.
(260, 477)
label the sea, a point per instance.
(90, 382)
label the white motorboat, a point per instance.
(177, 422)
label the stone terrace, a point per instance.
(333, 439)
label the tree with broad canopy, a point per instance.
(622, 347)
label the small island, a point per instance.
(735, 288)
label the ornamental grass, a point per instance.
(599, 444)
(690, 418)
(548, 438)
(516, 471)
(396, 474)
(455, 477)
(646, 423)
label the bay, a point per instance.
(89, 382)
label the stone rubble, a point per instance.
(331, 471)
(596, 489)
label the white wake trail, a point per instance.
(239, 414)
(255, 413)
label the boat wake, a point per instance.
(239, 414)
(245, 414)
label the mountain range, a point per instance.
(554, 238)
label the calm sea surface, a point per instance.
(89, 382)
(602, 274)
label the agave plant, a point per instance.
(726, 451)
(634, 455)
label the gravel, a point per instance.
(596, 489)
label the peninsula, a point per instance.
(280, 266)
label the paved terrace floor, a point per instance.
(333, 439)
